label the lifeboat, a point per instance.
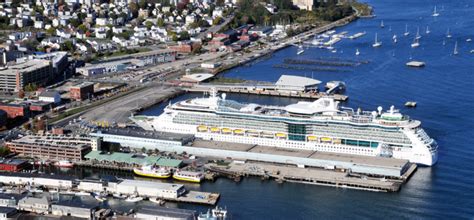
(326, 139)
(239, 132)
(267, 135)
(226, 131)
(202, 128)
(280, 135)
(253, 133)
(336, 141)
(312, 138)
(215, 130)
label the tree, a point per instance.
(148, 24)
(109, 34)
(160, 22)
(217, 20)
(4, 151)
(68, 46)
(133, 9)
(83, 28)
(51, 31)
(183, 35)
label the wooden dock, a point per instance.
(317, 95)
(314, 176)
(196, 197)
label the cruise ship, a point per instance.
(321, 125)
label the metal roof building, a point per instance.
(296, 83)
(133, 159)
(156, 212)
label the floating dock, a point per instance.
(204, 198)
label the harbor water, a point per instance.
(444, 90)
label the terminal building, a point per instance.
(292, 83)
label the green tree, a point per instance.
(148, 24)
(217, 20)
(160, 22)
(83, 28)
(183, 35)
(109, 34)
(67, 46)
(133, 9)
(51, 31)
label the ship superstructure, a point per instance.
(321, 125)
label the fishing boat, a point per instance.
(381, 24)
(158, 201)
(394, 38)
(427, 30)
(188, 176)
(64, 164)
(119, 196)
(133, 198)
(448, 34)
(214, 214)
(150, 171)
(406, 30)
(435, 12)
(376, 42)
(415, 43)
(456, 52)
(99, 197)
(357, 52)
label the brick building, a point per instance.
(81, 91)
(15, 110)
(13, 165)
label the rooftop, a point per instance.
(28, 66)
(166, 212)
(150, 184)
(144, 134)
(198, 77)
(132, 158)
(290, 80)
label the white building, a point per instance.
(148, 189)
(50, 96)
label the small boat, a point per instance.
(188, 176)
(468, 40)
(133, 198)
(390, 28)
(119, 196)
(64, 164)
(472, 51)
(418, 36)
(415, 43)
(444, 42)
(214, 214)
(158, 201)
(394, 38)
(381, 24)
(300, 50)
(448, 34)
(410, 104)
(415, 64)
(357, 52)
(406, 30)
(435, 12)
(82, 193)
(150, 171)
(376, 42)
(427, 30)
(456, 52)
(99, 197)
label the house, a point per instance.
(50, 96)
(101, 32)
(101, 21)
(38, 205)
(39, 25)
(10, 199)
(262, 31)
(63, 33)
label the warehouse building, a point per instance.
(13, 165)
(40, 205)
(81, 91)
(74, 209)
(132, 159)
(50, 181)
(292, 83)
(163, 213)
(55, 147)
(148, 189)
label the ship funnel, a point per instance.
(379, 109)
(374, 114)
(392, 109)
(223, 96)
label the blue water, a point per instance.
(444, 90)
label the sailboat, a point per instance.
(418, 36)
(435, 12)
(427, 30)
(415, 43)
(381, 24)
(390, 28)
(300, 50)
(444, 42)
(394, 38)
(376, 43)
(455, 52)
(357, 52)
(406, 30)
(448, 34)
